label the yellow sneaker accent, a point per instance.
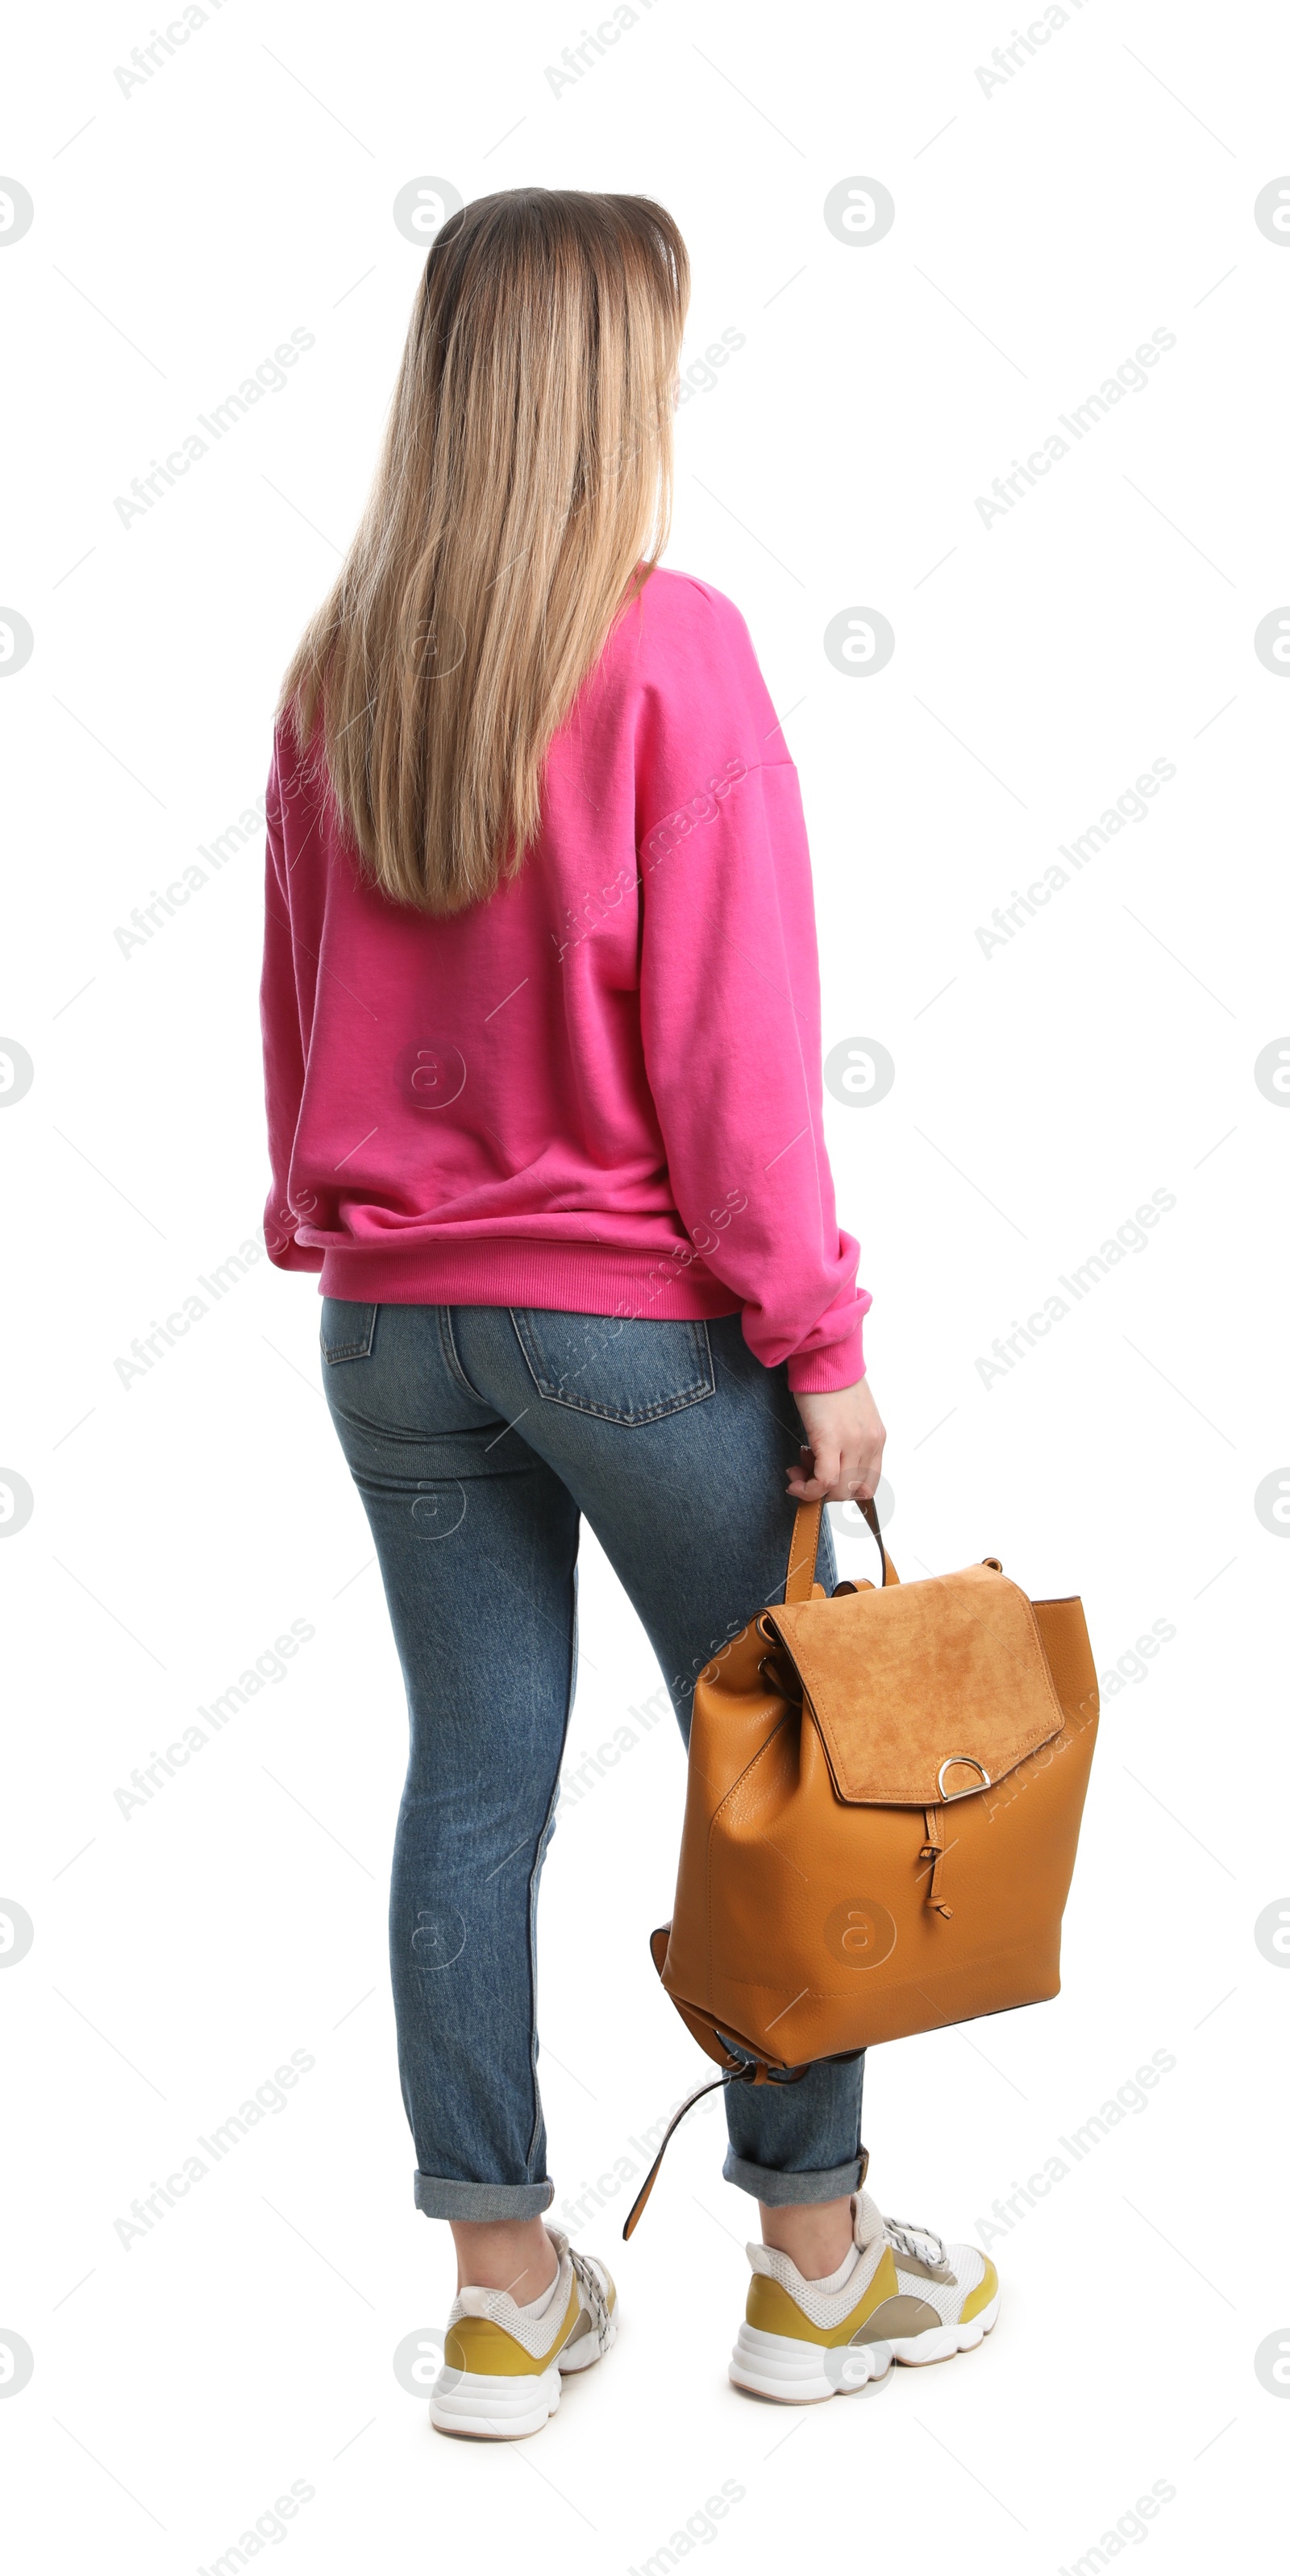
(479, 2345)
(773, 2310)
(986, 2289)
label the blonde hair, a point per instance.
(522, 498)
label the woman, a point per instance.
(541, 1021)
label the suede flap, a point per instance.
(920, 1688)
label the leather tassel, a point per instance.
(934, 1851)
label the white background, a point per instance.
(1043, 230)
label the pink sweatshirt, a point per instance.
(600, 1090)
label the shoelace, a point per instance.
(921, 2242)
(588, 2281)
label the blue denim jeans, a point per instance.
(477, 1435)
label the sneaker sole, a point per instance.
(487, 2409)
(789, 2371)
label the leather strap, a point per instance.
(754, 2072)
(802, 1552)
(743, 2075)
(806, 1540)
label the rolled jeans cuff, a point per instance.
(467, 2200)
(783, 2190)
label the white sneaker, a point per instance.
(902, 2296)
(503, 2364)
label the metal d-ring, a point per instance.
(951, 1763)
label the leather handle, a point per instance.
(802, 1552)
(805, 1543)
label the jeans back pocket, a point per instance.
(628, 1369)
(347, 1330)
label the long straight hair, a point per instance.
(522, 498)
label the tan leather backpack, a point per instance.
(884, 1798)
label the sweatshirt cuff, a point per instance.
(826, 1371)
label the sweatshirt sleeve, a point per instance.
(730, 1000)
(284, 1052)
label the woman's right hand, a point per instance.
(841, 1457)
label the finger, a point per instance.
(806, 1488)
(868, 1469)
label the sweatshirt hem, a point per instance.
(569, 1279)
